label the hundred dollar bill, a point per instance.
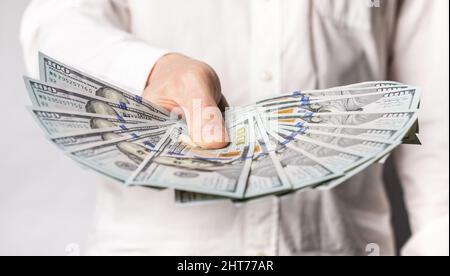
(266, 174)
(363, 133)
(266, 177)
(302, 170)
(376, 134)
(367, 84)
(60, 121)
(44, 95)
(355, 146)
(191, 198)
(118, 157)
(234, 151)
(372, 151)
(369, 120)
(398, 100)
(379, 158)
(407, 136)
(62, 75)
(361, 88)
(335, 182)
(71, 141)
(383, 101)
(170, 168)
(306, 97)
(334, 157)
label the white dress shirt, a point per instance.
(260, 48)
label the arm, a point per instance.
(89, 34)
(93, 35)
(420, 57)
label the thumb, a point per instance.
(205, 122)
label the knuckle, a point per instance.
(196, 72)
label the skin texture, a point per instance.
(190, 88)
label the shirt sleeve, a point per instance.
(92, 35)
(420, 57)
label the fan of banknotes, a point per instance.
(303, 139)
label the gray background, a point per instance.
(46, 201)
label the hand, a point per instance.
(191, 88)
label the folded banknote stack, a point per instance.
(303, 139)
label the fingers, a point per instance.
(205, 122)
(192, 88)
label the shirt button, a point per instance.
(267, 76)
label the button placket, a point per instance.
(261, 227)
(265, 48)
(261, 216)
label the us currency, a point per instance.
(301, 139)
(361, 125)
(302, 170)
(118, 157)
(306, 97)
(62, 75)
(401, 100)
(369, 120)
(191, 198)
(355, 146)
(363, 133)
(266, 177)
(234, 151)
(168, 168)
(372, 151)
(334, 157)
(367, 84)
(360, 88)
(44, 95)
(266, 174)
(383, 101)
(60, 121)
(80, 139)
(335, 182)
